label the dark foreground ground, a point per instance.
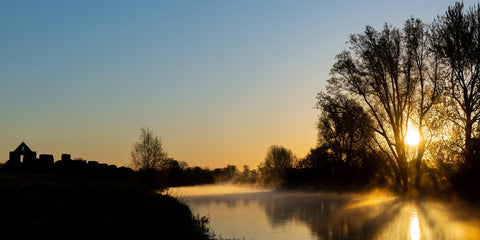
(46, 207)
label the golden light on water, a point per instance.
(412, 137)
(218, 189)
(414, 227)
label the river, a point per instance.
(237, 212)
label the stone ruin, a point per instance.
(25, 151)
(25, 160)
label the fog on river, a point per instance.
(237, 212)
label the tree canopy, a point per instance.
(276, 164)
(148, 153)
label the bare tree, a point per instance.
(379, 71)
(457, 39)
(147, 153)
(422, 63)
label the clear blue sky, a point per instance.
(218, 81)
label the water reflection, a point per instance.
(287, 215)
(414, 227)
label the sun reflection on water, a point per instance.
(414, 226)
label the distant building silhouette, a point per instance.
(46, 164)
(22, 150)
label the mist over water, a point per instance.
(255, 213)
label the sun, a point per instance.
(412, 137)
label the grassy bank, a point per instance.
(55, 207)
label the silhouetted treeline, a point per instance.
(177, 174)
(320, 170)
(323, 168)
(155, 170)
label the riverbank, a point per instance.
(56, 207)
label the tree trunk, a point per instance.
(468, 141)
(418, 162)
(402, 164)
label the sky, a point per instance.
(218, 81)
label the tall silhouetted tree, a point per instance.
(457, 40)
(147, 153)
(422, 64)
(276, 164)
(149, 158)
(382, 70)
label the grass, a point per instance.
(56, 207)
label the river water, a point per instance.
(237, 212)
